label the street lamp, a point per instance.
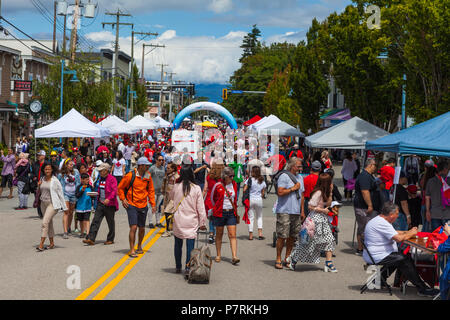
(128, 99)
(74, 79)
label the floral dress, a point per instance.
(323, 239)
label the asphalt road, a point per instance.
(106, 272)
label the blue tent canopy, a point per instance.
(431, 138)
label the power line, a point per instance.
(49, 17)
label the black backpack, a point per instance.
(277, 176)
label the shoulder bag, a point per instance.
(238, 218)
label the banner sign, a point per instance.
(23, 85)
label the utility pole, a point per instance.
(117, 25)
(161, 92)
(132, 61)
(64, 36)
(73, 37)
(54, 26)
(143, 54)
(170, 95)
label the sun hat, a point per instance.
(316, 166)
(143, 161)
(104, 166)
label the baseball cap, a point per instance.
(41, 153)
(316, 166)
(75, 149)
(429, 163)
(335, 204)
(104, 166)
(412, 188)
(98, 163)
(143, 161)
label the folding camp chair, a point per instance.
(376, 280)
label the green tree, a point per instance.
(87, 96)
(309, 86)
(251, 44)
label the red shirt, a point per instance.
(149, 154)
(278, 160)
(387, 174)
(297, 153)
(310, 183)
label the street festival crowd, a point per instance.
(146, 170)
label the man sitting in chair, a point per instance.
(381, 241)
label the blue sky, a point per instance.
(202, 37)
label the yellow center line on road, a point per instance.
(85, 294)
(107, 289)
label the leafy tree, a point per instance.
(87, 96)
(309, 86)
(251, 44)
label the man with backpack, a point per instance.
(437, 198)
(135, 190)
(289, 208)
(411, 169)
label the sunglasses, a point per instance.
(160, 159)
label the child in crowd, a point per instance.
(414, 205)
(84, 204)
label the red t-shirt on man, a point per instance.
(310, 183)
(387, 174)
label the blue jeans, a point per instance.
(425, 224)
(178, 250)
(212, 229)
(401, 223)
(127, 166)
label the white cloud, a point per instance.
(221, 6)
(201, 59)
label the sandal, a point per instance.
(261, 238)
(278, 265)
(51, 247)
(133, 255)
(41, 250)
(217, 259)
(139, 252)
(235, 261)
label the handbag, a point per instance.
(37, 198)
(238, 218)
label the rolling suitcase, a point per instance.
(200, 262)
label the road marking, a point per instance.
(107, 289)
(99, 282)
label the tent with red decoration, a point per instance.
(252, 120)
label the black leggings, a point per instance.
(345, 189)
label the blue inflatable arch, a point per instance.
(205, 106)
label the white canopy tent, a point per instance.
(161, 123)
(117, 125)
(282, 129)
(350, 134)
(265, 122)
(72, 125)
(139, 122)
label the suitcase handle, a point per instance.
(199, 232)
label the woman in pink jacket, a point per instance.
(189, 216)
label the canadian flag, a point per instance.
(445, 193)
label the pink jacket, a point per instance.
(191, 212)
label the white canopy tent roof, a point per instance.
(161, 123)
(266, 122)
(117, 125)
(72, 125)
(139, 122)
(350, 134)
(282, 129)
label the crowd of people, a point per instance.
(197, 195)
